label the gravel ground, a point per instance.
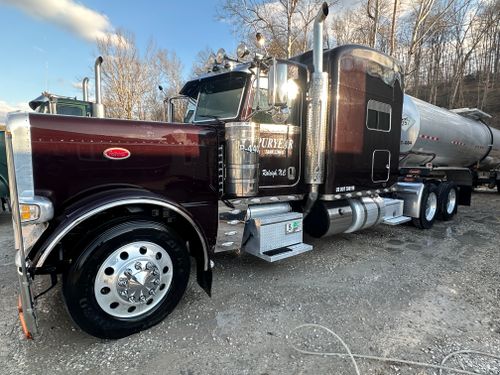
(390, 291)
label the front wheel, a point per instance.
(428, 208)
(127, 279)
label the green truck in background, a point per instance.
(60, 105)
(4, 186)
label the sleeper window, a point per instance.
(378, 116)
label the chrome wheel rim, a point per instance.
(451, 201)
(431, 206)
(133, 279)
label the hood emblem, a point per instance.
(116, 153)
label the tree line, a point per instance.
(449, 49)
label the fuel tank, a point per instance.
(430, 134)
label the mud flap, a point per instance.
(26, 306)
(204, 277)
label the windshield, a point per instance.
(220, 97)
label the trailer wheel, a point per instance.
(447, 194)
(127, 279)
(428, 208)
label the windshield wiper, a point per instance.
(213, 117)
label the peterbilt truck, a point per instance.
(275, 148)
(4, 185)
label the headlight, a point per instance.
(221, 55)
(211, 60)
(242, 50)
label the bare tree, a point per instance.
(393, 27)
(131, 78)
(200, 62)
(284, 23)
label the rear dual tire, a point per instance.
(126, 278)
(428, 208)
(447, 194)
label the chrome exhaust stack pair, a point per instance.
(97, 107)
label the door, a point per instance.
(279, 155)
(381, 165)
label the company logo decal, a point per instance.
(116, 153)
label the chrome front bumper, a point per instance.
(26, 303)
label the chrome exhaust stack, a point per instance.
(85, 88)
(316, 125)
(98, 107)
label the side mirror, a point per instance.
(277, 89)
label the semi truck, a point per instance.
(71, 106)
(4, 185)
(55, 104)
(274, 149)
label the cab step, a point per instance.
(284, 252)
(394, 209)
(397, 220)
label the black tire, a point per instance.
(79, 279)
(446, 197)
(498, 187)
(424, 222)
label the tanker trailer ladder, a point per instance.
(353, 356)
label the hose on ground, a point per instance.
(352, 356)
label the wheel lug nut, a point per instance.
(152, 292)
(138, 266)
(131, 299)
(149, 266)
(155, 272)
(142, 298)
(128, 272)
(123, 293)
(156, 281)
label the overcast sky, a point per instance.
(49, 44)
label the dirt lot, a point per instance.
(391, 291)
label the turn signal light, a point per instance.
(29, 212)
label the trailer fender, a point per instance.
(87, 208)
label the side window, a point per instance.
(378, 116)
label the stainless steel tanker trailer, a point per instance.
(438, 140)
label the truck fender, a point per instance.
(97, 203)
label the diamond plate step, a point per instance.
(397, 220)
(284, 252)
